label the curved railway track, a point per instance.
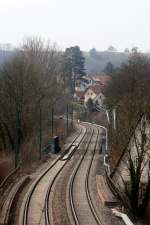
(89, 197)
(82, 208)
(49, 205)
(34, 209)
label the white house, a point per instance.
(91, 80)
(83, 83)
(95, 93)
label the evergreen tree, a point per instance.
(73, 64)
(109, 69)
(93, 52)
(111, 49)
(90, 105)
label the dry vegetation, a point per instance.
(129, 93)
(33, 84)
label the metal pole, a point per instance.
(107, 114)
(114, 115)
(17, 138)
(67, 118)
(72, 116)
(40, 134)
(52, 120)
(111, 127)
(106, 139)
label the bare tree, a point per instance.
(129, 93)
(134, 167)
(30, 82)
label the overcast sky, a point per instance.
(87, 23)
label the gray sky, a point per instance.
(87, 23)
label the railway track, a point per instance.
(51, 215)
(80, 201)
(9, 178)
(7, 184)
(6, 214)
(34, 210)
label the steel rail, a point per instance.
(98, 220)
(27, 203)
(10, 202)
(76, 219)
(47, 219)
(9, 176)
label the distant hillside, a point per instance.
(96, 61)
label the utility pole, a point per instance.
(114, 116)
(17, 138)
(67, 119)
(40, 134)
(111, 129)
(72, 116)
(52, 120)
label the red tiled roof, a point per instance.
(96, 89)
(104, 79)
